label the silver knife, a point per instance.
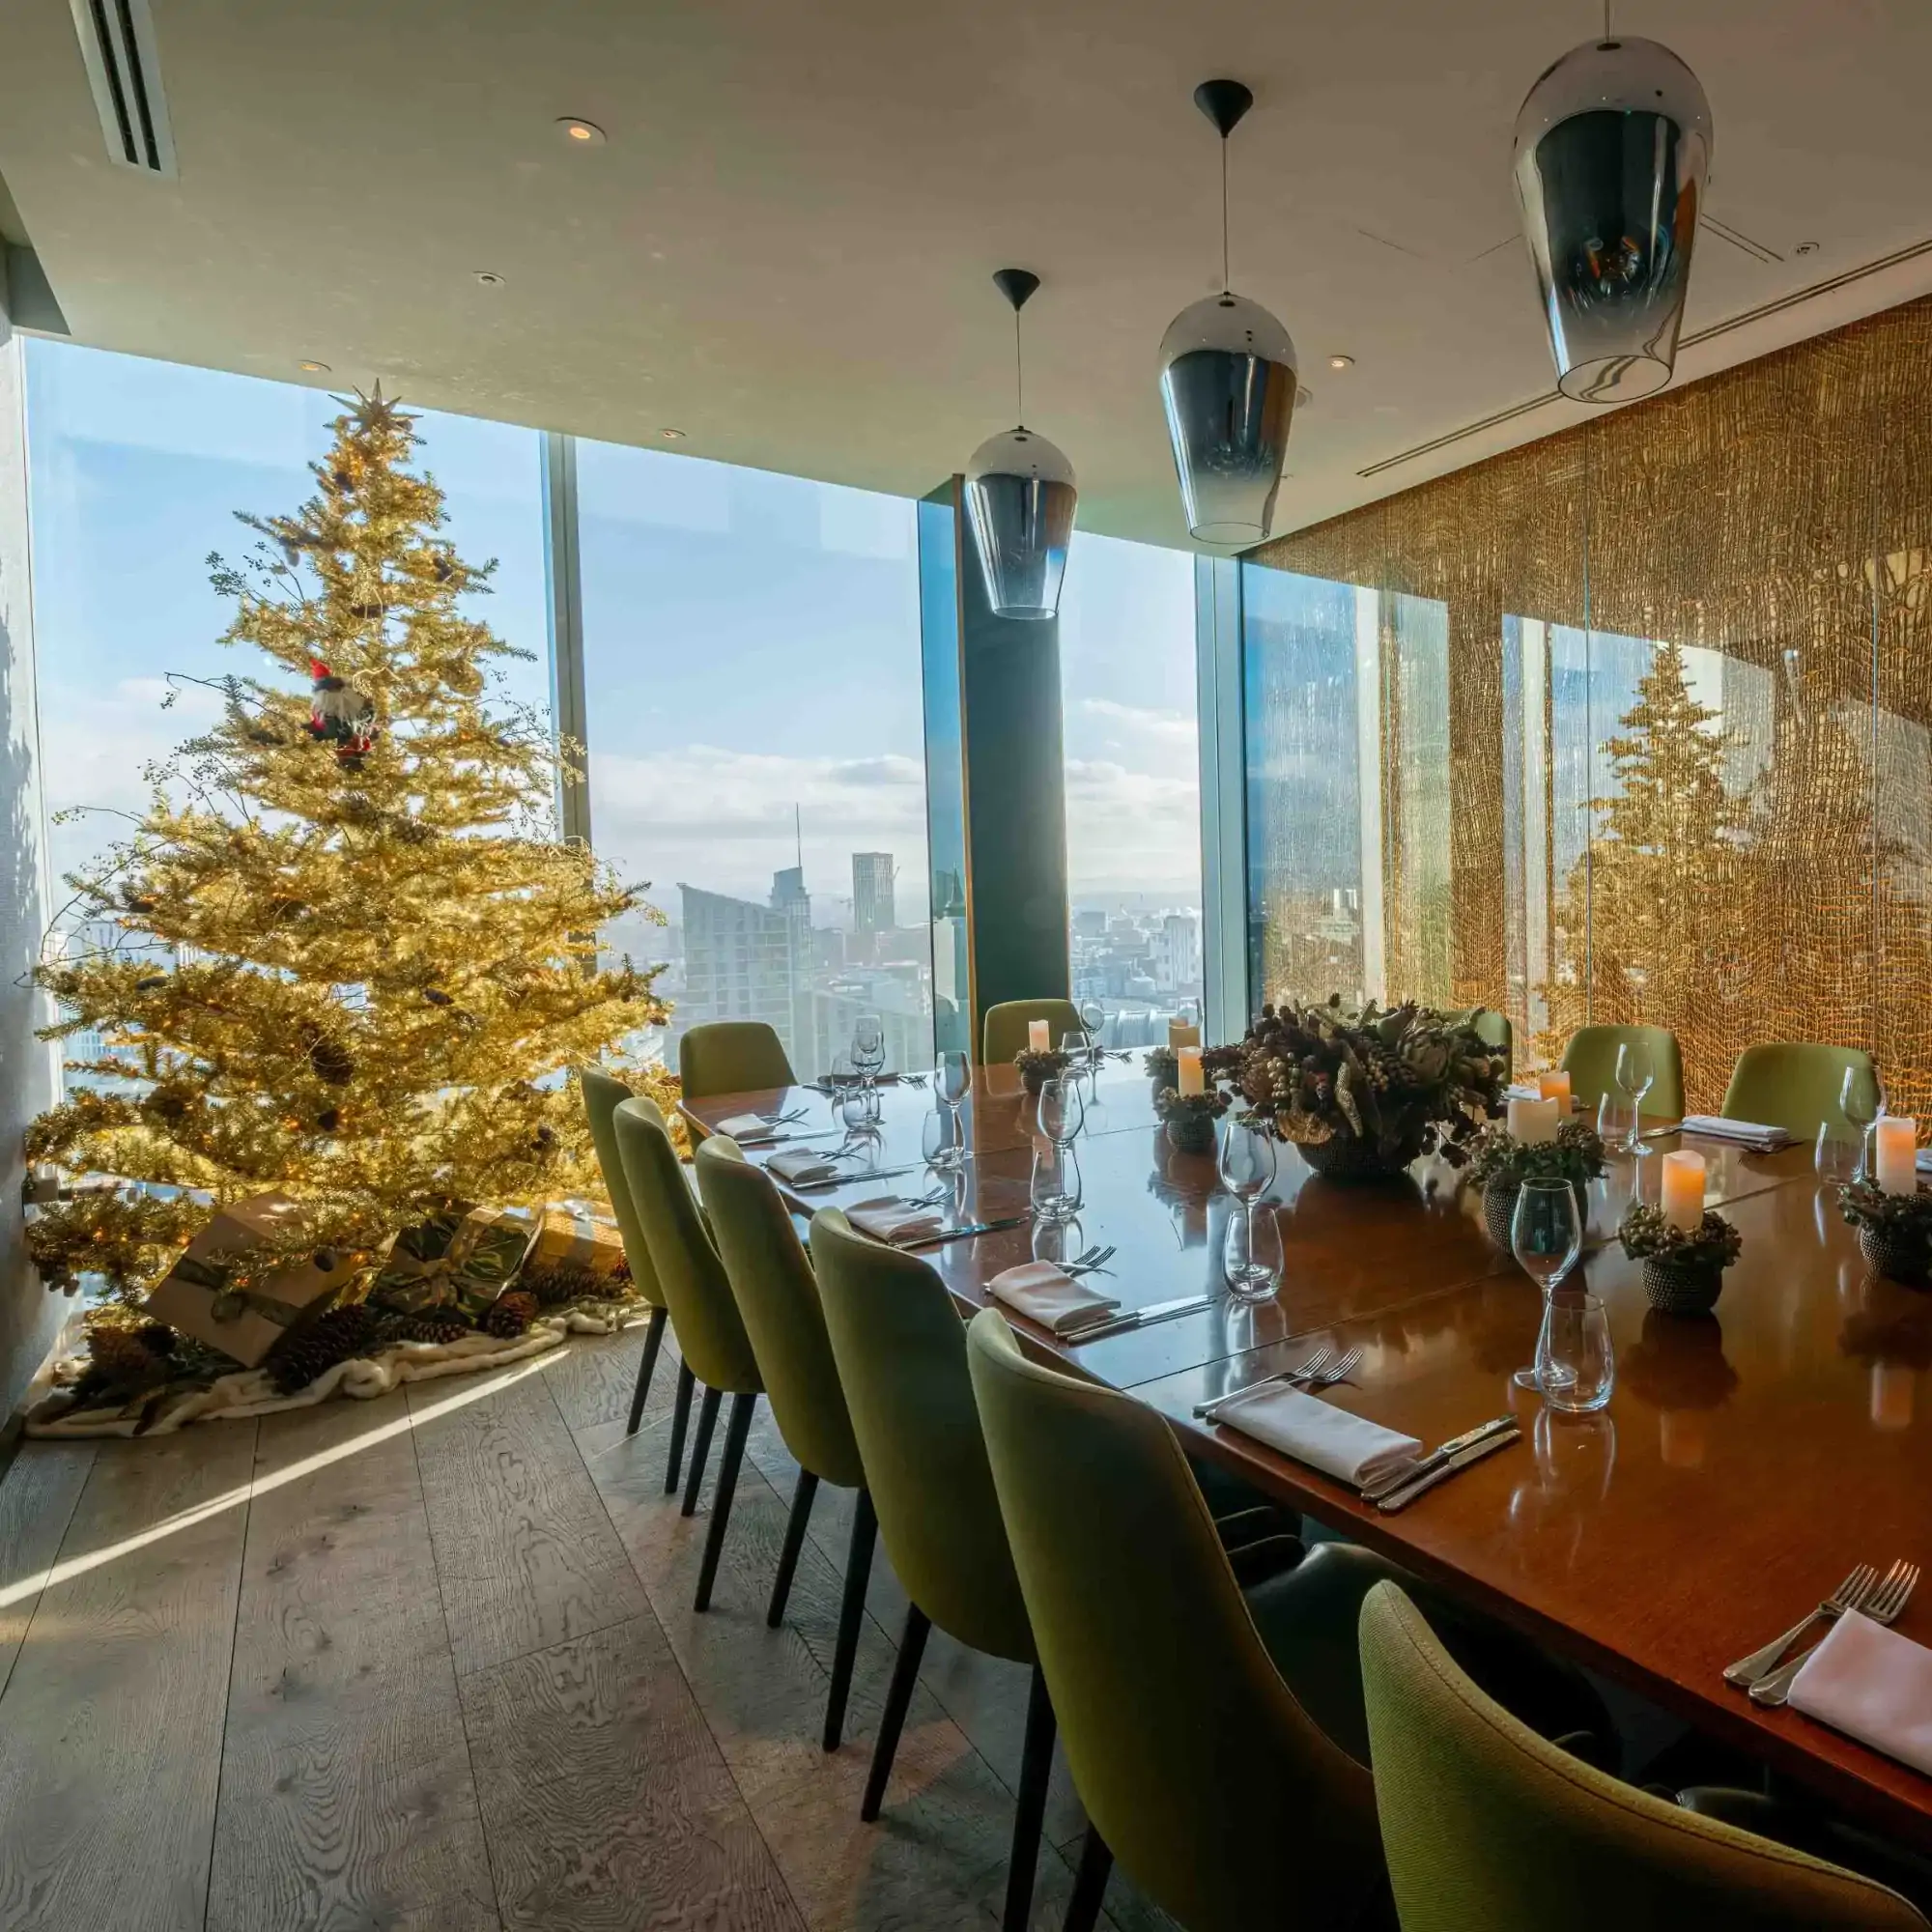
(964, 1234)
(851, 1179)
(1140, 1318)
(1406, 1493)
(1436, 1458)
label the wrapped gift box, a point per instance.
(462, 1260)
(579, 1233)
(200, 1298)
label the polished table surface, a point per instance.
(1746, 1463)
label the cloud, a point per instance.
(1179, 726)
(1131, 831)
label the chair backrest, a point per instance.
(602, 1097)
(1591, 1061)
(710, 1333)
(1003, 1031)
(777, 1297)
(731, 1057)
(1486, 1824)
(1194, 1762)
(901, 1352)
(1795, 1085)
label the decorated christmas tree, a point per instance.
(357, 963)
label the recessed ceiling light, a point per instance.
(489, 279)
(672, 434)
(1806, 248)
(313, 368)
(580, 133)
(1341, 362)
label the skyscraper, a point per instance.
(873, 908)
(742, 962)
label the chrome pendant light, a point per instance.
(1612, 149)
(1228, 383)
(1020, 498)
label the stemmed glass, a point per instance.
(1636, 1075)
(1080, 1052)
(868, 1049)
(1056, 1173)
(1862, 1101)
(951, 1082)
(1247, 1168)
(1094, 1017)
(1546, 1236)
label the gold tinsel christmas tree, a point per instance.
(377, 961)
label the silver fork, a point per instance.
(1882, 1606)
(1093, 1262)
(1317, 1370)
(1848, 1595)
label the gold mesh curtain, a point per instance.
(1653, 707)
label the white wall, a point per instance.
(29, 1316)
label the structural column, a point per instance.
(995, 779)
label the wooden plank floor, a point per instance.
(431, 1663)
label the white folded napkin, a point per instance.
(1753, 1134)
(1350, 1448)
(1874, 1684)
(891, 1218)
(1050, 1296)
(804, 1166)
(745, 1126)
(1925, 1160)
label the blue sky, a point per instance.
(751, 639)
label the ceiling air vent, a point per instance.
(117, 42)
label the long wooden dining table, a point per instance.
(1746, 1462)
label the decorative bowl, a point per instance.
(1897, 1254)
(1682, 1288)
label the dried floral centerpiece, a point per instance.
(1162, 1068)
(1499, 1163)
(1683, 1268)
(1190, 1117)
(1038, 1065)
(1895, 1231)
(1363, 1093)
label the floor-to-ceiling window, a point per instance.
(137, 471)
(1133, 806)
(752, 681)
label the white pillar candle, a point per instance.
(1532, 1121)
(1554, 1086)
(1684, 1188)
(1192, 1079)
(1897, 1154)
(1037, 1037)
(1180, 1034)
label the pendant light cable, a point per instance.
(1606, 21)
(1019, 375)
(1226, 277)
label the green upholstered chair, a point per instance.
(1795, 1085)
(901, 1352)
(710, 1333)
(601, 1096)
(778, 1296)
(1211, 1773)
(1591, 1061)
(731, 1057)
(1004, 1032)
(1485, 1825)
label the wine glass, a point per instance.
(869, 1047)
(1247, 1172)
(1636, 1075)
(951, 1082)
(1546, 1236)
(1862, 1101)
(1094, 1017)
(1056, 1172)
(1078, 1049)
(1060, 1111)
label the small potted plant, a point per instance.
(1039, 1065)
(1499, 1164)
(1895, 1231)
(1683, 1268)
(1162, 1068)
(1190, 1117)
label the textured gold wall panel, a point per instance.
(1689, 682)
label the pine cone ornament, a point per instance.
(337, 1336)
(509, 1315)
(421, 1328)
(122, 1361)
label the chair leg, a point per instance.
(735, 1433)
(653, 1342)
(801, 1513)
(1090, 1884)
(891, 1719)
(701, 1448)
(680, 1415)
(852, 1614)
(1035, 1767)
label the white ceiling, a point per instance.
(785, 247)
